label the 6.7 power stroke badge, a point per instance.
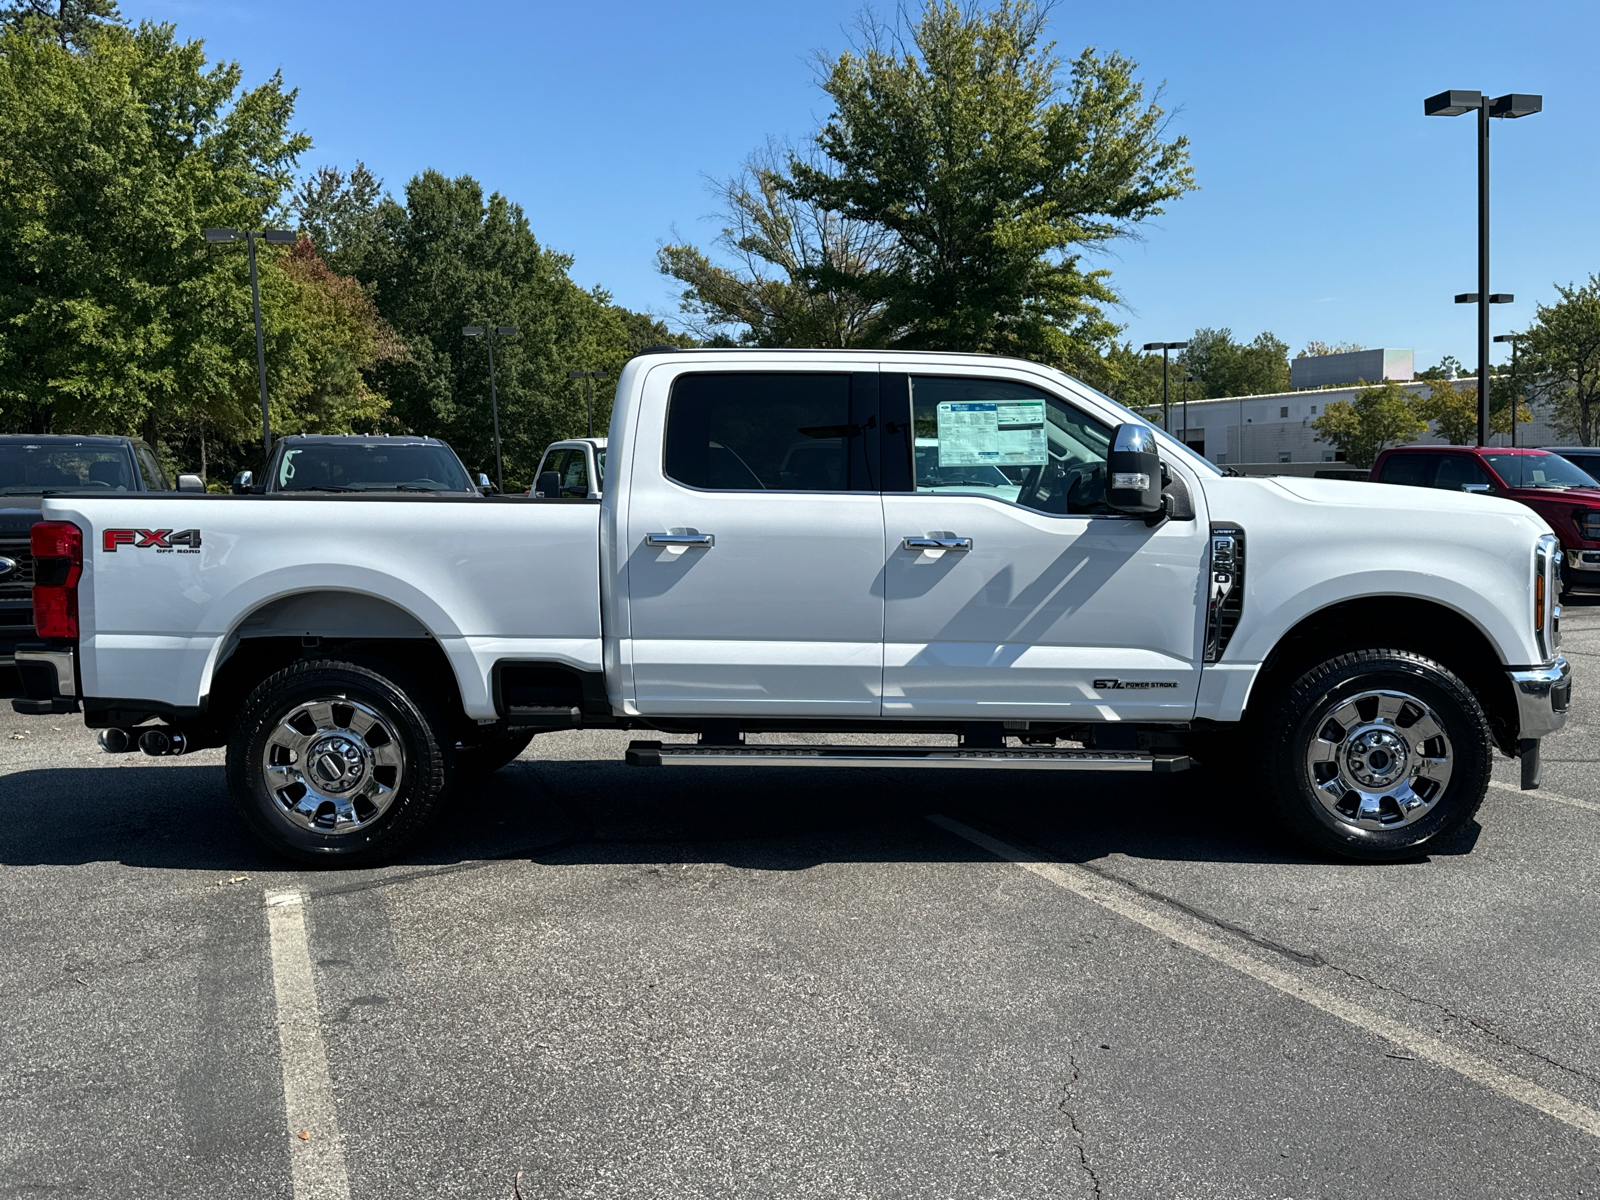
(162, 541)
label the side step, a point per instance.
(688, 754)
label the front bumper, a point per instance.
(1543, 696)
(1585, 561)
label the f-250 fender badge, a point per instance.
(162, 541)
(1122, 685)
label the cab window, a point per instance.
(154, 479)
(575, 474)
(1009, 442)
(1409, 470)
(748, 431)
(1458, 470)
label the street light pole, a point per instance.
(1166, 408)
(1513, 338)
(276, 237)
(488, 334)
(588, 397)
(1511, 105)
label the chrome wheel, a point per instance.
(1379, 760)
(332, 766)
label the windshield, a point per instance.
(370, 467)
(1539, 471)
(39, 468)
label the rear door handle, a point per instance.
(938, 543)
(679, 539)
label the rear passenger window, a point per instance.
(1412, 470)
(759, 432)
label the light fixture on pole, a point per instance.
(488, 334)
(588, 397)
(1511, 106)
(278, 237)
(1166, 412)
(1513, 338)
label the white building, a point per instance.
(1276, 429)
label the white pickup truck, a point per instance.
(976, 549)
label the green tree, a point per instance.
(450, 257)
(1225, 367)
(994, 174)
(1378, 417)
(780, 246)
(1447, 367)
(338, 214)
(1316, 349)
(1452, 411)
(1563, 349)
(70, 22)
(114, 314)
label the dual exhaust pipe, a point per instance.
(158, 742)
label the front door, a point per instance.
(754, 548)
(1012, 590)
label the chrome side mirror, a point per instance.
(1477, 489)
(191, 483)
(1133, 470)
(484, 486)
(242, 482)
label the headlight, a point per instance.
(1589, 523)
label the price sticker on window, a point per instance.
(992, 433)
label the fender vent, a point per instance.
(1225, 589)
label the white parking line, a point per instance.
(316, 1147)
(1546, 794)
(1126, 902)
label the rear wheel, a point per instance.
(1377, 753)
(333, 762)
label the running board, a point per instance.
(689, 754)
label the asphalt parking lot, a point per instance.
(623, 983)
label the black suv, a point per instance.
(360, 463)
(33, 466)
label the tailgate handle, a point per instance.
(679, 539)
(938, 543)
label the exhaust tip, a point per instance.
(115, 741)
(159, 742)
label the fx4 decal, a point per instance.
(185, 541)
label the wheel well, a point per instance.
(1397, 623)
(422, 660)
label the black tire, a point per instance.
(484, 759)
(1298, 729)
(410, 742)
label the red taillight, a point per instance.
(57, 566)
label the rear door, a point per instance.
(754, 545)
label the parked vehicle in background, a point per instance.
(33, 466)
(1351, 654)
(355, 462)
(1585, 458)
(1565, 495)
(579, 463)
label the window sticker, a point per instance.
(994, 433)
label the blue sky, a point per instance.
(1330, 207)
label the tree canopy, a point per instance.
(1563, 352)
(1378, 417)
(1225, 367)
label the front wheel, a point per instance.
(335, 763)
(1377, 753)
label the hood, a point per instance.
(1354, 493)
(1589, 496)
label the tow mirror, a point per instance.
(548, 485)
(484, 486)
(242, 482)
(1133, 470)
(191, 483)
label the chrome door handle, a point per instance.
(938, 543)
(679, 539)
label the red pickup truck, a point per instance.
(1567, 497)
